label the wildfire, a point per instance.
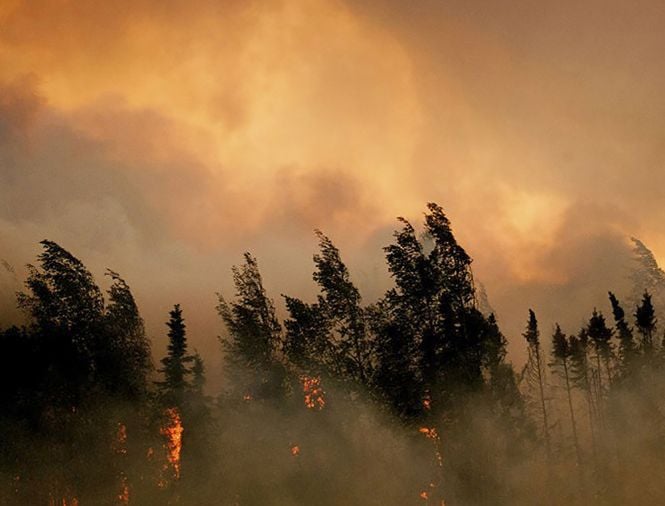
(247, 397)
(427, 402)
(123, 496)
(121, 439)
(313, 392)
(430, 433)
(295, 450)
(173, 433)
(120, 447)
(64, 502)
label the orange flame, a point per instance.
(123, 496)
(65, 502)
(121, 438)
(424, 495)
(120, 447)
(313, 392)
(430, 433)
(427, 402)
(295, 450)
(173, 432)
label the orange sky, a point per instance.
(165, 138)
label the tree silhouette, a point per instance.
(645, 320)
(600, 335)
(561, 356)
(331, 335)
(255, 338)
(627, 348)
(175, 369)
(535, 375)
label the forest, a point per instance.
(410, 399)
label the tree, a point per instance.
(127, 361)
(396, 377)
(561, 356)
(627, 349)
(645, 320)
(175, 364)
(331, 335)
(255, 335)
(601, 336)
(66, 308)
(89, 362)
(579, 360)
(535, 374)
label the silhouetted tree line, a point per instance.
(409, 400)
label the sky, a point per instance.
(164, 138)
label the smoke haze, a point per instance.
(163, 140)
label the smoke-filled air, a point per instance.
(332, 253)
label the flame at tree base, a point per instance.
(173, 434)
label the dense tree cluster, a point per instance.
(308, 403)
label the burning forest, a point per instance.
(409, 400)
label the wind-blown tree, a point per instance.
(433, 307)
(253, 345)
(535, 376)
(561, 356)
(175, 365)
(128, 362)
(396, 377)
(86, 357)
(436, 352)
(330, 336)
(66, 309)
(627, 348)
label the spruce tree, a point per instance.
(627, 348)
(601, 337)
(535, 374)
(175, 369)
(645, 321)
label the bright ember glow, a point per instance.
(64, 502)
(120, 447)
(313, 392)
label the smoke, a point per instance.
(164, 140)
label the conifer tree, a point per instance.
(561, 356)
(535, 374)
(175, 367)
(645, 320)
(627, 349)
(601, 335)
(582, 378)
